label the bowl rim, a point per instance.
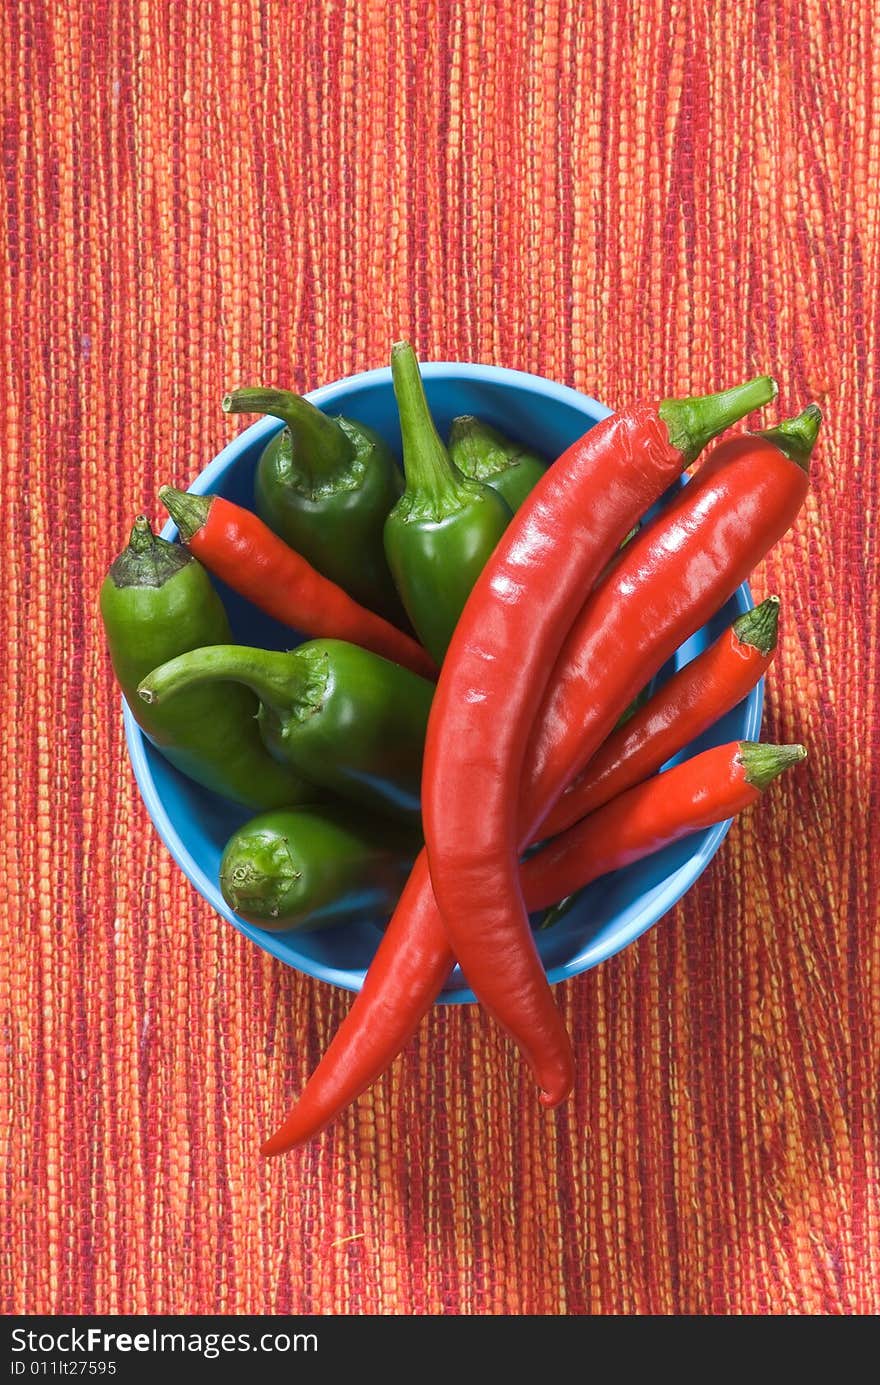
(326, 395)
(653, 907)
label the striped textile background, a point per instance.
(637, 199)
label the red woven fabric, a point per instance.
(639, 200)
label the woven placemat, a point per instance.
(637, 200)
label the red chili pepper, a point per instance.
(490, 688)
(242, 551)
(711, 787)
(693, 699)
(668, 582)
(414, 957)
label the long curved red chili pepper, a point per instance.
(414, 955)
(243, 552)
(691, 701)
(490, 688)
(413, 958)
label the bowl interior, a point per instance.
(195, 824)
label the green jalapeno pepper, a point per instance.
(483, 454)
(441, 532)
(325, 485)
(310, 868)
(158, 602)
(341, 716)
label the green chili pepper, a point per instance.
(341, 716)
(325, 486)
(157, 602)
(483, 454)
(441, 532)
(310, 868)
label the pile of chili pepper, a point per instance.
(469, 734)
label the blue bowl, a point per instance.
(195, 824)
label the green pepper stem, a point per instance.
(320, 447)
(426, 463)
(694, 422)
(257, 872)
(147, 560)
(142, 537)
(189, 512)
(759, 627)
(477, 449)
(276, 678)
(796, 437)
(762, 763)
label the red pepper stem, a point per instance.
(189, 512)
(320, 447)
(430, 476)
(279, 680)
(762, 762)
(759, 627)
(796, 437)
(694, 422)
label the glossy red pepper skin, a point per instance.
(667, 583)
(696, 794)
(242, 551)
(489, 694)
(472, 770)
(406, 975)
(672, 578)
(691, 701)
(414, 957)
(390, 1005)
